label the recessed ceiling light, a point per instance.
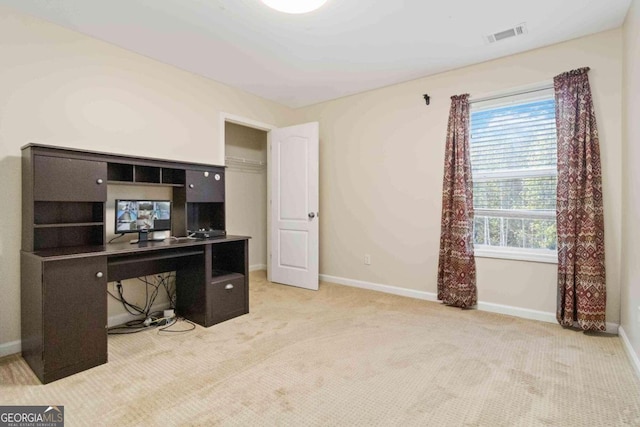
(294, 6)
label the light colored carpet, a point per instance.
(346, 356)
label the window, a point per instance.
(514, 168)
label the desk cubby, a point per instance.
(68, 235)
(67, 212)
(171, 176)
(119, 172)
(122, 173)
(205, 215)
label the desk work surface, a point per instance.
(126, 247)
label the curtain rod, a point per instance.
(507, 95)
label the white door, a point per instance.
(294, 206)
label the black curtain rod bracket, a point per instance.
(427, 98)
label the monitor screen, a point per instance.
(132, 216)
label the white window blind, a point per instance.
(514, 168)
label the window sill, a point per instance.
(547, 256)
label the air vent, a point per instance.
(507, 34)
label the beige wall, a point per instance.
(630, 277)
(62, 88)
(381, 165)
(246, 190)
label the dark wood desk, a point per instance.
(66, 262)
(64, 299)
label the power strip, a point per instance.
(168, 317)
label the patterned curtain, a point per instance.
(457, 265)
(581, 273)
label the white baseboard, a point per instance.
(633, 356)
(257, 267)
(122, 318)
(613, 328)
(524, 313)
(428, 296)
(11, 347)
(527, 313)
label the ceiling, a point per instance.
(346, 47)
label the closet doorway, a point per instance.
(247, 188)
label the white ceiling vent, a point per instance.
(507, 34)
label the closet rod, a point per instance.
(244, 161)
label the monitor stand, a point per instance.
(143, 237)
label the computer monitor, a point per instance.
(142, 217)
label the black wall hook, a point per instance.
(427, 98)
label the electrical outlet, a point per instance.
(367, 259)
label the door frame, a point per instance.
(244, 121)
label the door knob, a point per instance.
(99, 181)
(99, 274)
(312, 215)
(191, 186)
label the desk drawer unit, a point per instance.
(226, 298)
